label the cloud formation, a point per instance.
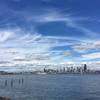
(37, 32)
(92, 56)
(39, 48)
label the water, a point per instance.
(50, 87)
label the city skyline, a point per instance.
(49, 31)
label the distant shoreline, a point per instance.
(50, 74)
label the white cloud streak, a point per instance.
(95, 55)
(86, 46)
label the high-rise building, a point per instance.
(85, 67)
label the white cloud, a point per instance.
(86, 46)
(5, 35)
(95, 55)
(30, 46)
(54, 15)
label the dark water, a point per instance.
(50, 87)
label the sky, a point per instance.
(49, 31)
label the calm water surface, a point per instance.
(50, 87)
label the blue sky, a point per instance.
(49, 31)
